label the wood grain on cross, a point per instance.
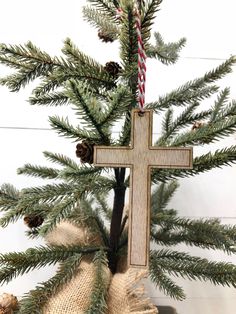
(140, 157)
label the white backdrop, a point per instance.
(209, 26)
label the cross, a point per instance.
(140, 157)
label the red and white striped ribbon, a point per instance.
(141, 63)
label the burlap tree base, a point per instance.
(125, 295)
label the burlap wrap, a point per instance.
(125, 296)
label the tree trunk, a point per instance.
(116, 220)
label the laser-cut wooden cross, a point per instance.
(140, 157)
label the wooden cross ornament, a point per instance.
(140, 157)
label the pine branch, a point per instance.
(204, 233)
(64, 128)
(106, 6)
(167, 121)
(195, 90)
(128, 42)
(124, 137)
(101, 21)
(59, 212)
(93, 221)
(162, 195)
(84, 69)
(61, 160)
(73, 175)
(147, 19)
(166, 53)
(83, 101)
(77, 58)
(30, 62)
(24, 76)
(193, 268)
(50, 192)
(42, 256)
(220, 110)
(218, 159)
(207, 133)
(94, 76)
(118, 103)
(184, 119)
(163, 282)
(40, 172)
(33, 301)
(12, 63)
(26, 54)
(51, 99)
(162, 237)
(100, 285)
(18, 264)
(103, 206)
(214, 75)
(228, 111)
(34, 200)
(9, 197)
(182, 97)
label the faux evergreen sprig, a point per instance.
(100, 286)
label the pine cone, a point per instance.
(113, 68)
(8, 303)
(84, 151)
(105, 37)
(33, 221)
(197, 125)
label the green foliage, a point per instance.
(51, 99)
(9, 197)
(15, 264)
(148, 12)
(171, 230)
(203, 163)
(191, 267)
(61, 159)
(34, 300)
(195, 90)
(30, 62)
(162, 195)
(187, 117)
(166, 53)
(164, 283)
(106, 6)
(37, 171)
(64, 128)
(102, 21)
(100, 285)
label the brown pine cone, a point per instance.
(113, 68)
(197, 125)
(105, 37)
(8, 303)
(84, 151)
(33, 221)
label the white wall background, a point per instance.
(209, 26)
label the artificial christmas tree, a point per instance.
(101, 97)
